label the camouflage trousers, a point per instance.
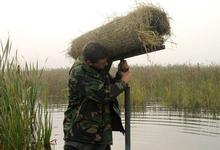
(85, 146)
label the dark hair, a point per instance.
(94, 51)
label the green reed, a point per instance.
(55, 81)
(24, 122)
(192, 87)
(189, 87)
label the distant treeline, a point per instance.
(193, 87)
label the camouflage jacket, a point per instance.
(93, 111)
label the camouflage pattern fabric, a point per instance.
(93, 111)
(85, 146)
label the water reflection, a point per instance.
(158, 128)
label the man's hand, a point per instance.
(123, 71)
(126, 76)
(123, 66)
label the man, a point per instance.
(93, 111)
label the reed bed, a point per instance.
(24, 122)
(188, 87)
(55, 83)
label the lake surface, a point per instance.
(156, 128)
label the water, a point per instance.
(157, 128)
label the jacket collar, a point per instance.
(91, 71)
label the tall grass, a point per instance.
(55, 82)
(188, 87)
(24, 122)
(191, 87)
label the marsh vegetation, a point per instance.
(24, 120)
(188, 87)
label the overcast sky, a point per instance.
(43, 29)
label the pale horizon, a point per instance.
(43, 30)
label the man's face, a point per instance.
(100, 64)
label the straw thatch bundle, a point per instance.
(145, 26)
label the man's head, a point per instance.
(95, 55)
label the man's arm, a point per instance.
(100, 91)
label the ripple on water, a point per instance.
(158, 128)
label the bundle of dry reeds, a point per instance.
(147, 25)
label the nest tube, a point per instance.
(143, 30)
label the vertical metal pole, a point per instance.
(127, 119)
